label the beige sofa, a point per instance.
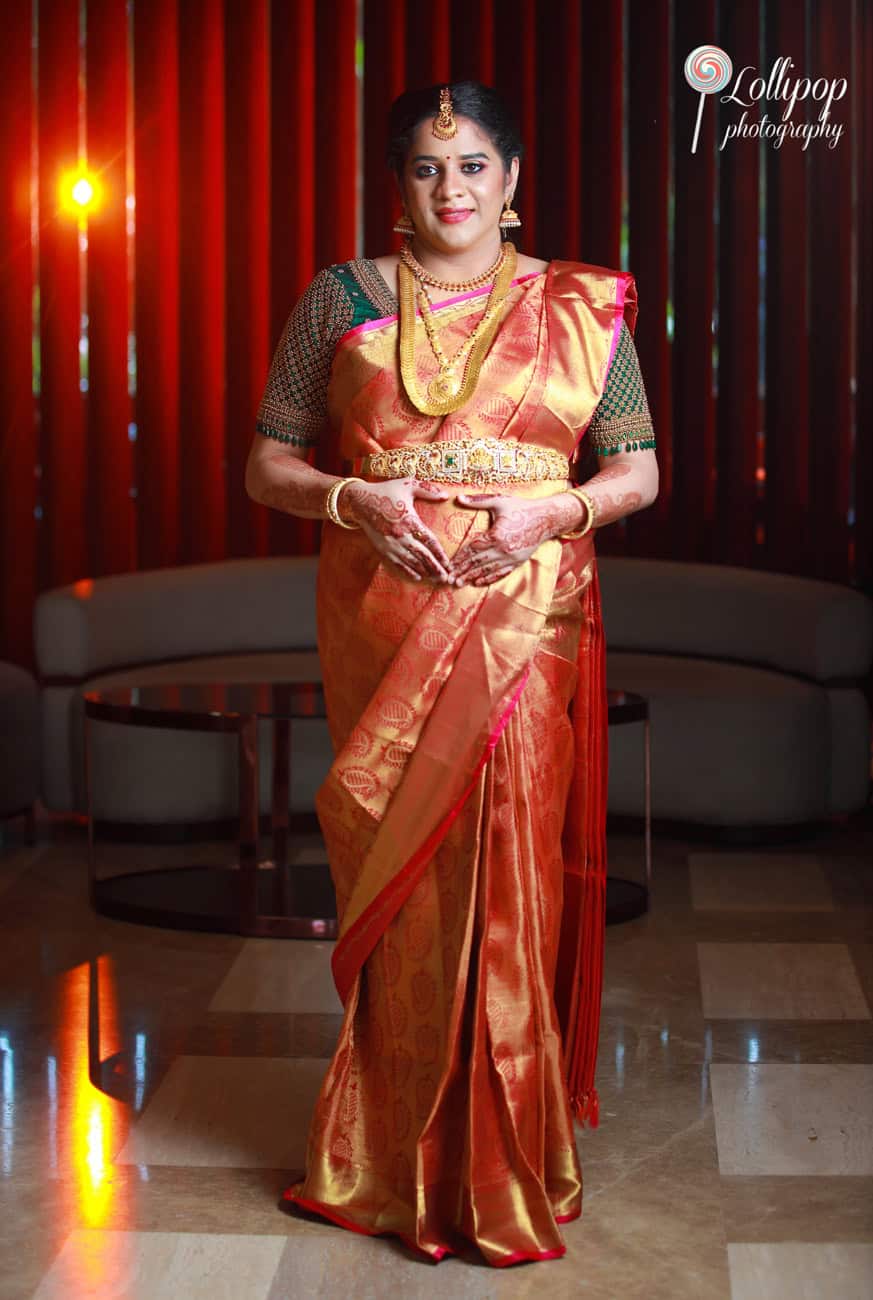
(758, 720)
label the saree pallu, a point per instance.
(464, 812)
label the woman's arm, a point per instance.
(282, 478)
(292, 415)
(625, 483)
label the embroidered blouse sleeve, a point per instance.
(293, 407)
(622, 420)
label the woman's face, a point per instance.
(454, 190)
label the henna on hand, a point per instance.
(387, 514)
(521, 525)
(385, 511)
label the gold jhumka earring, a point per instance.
(404, 225)
(509, 217)
(444, 125)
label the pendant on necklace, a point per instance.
(443, 386)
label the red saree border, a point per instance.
(327, 1212)
(344, 965)
(367, 325)
(579, 973)
(439, 1252)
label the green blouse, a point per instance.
(293, 408)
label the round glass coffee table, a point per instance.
(251, 896)
(266, 897)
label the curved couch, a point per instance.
(758, 719)
(754, 687)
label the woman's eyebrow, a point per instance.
(431, 157)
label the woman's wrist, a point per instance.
(349, 500)
(337, 498)
(568, 513)
(579, 513)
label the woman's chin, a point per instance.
(454, 238)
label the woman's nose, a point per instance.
(450, 181)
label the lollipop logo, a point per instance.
(707, 69)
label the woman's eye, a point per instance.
(476, 166)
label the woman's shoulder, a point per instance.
(347, 291)
(531, 265)
(587, 280)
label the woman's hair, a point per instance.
(471, 99)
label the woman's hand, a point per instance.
(519, 525)
(386, 512)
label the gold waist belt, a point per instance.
(469, 460)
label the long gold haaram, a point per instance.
(448, 391)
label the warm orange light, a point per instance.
(83, 191)
(93, 1117)
(80, 192)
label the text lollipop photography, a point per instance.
(708, 69)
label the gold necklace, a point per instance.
(455, 286)
(446, 391)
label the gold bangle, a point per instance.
(331, 502)
(590, 518)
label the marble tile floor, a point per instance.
(155, 1088)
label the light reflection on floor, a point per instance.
(94, 1013)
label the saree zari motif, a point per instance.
(464, 812)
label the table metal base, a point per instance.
(295, 903)
(625, 900)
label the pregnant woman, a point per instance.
(460, 636)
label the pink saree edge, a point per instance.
(524, 1256)
(367, 325)
(620, 295)
(402, 884)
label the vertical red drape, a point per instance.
(602, 154)
(293, 213)
(695, 175)
(862, 133)
(832, 348)
(247, 278)
(384, 79)
(202, 321)
(110, 481)
(650, 252)
(63, 544)
(258, 136)
(787, 417)
(156, 134)
(18, 482)
(739, 409)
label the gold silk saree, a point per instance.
(464, 811)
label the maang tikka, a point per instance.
(444, 125)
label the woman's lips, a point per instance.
(457, 214)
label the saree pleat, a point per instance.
(464, 824)
(449, 1073)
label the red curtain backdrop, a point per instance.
(239, 147)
